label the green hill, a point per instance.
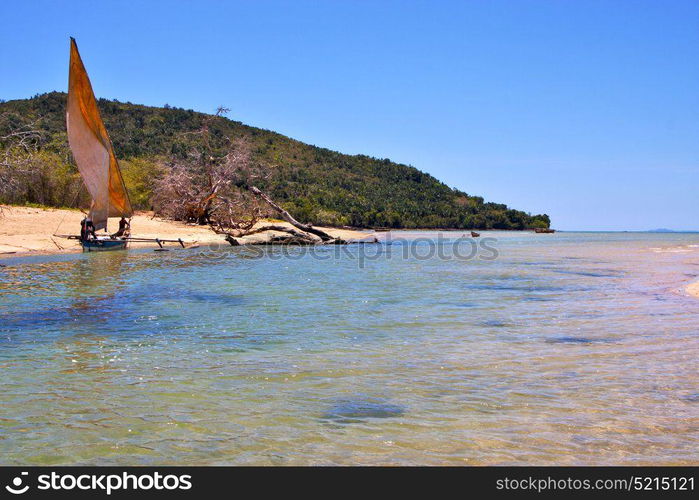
(315, 184)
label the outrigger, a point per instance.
(101, 243)
(94, 155)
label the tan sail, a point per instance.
(92, 148)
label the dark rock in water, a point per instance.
(537, 299)
(230, 239)
(214, 298)
(576, 340)
(466, 304)
(692, 398)
(569, 340)
(592, 274)
(494, 322)
(356, 410)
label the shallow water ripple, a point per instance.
(574, 348)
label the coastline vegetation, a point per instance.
(316, 185)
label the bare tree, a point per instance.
(210, 191)
(220, 190)
(29, 172)
(19, 148)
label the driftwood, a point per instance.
(307, 228)
(292, 237)
(284, 229)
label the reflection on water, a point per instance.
(567, 349)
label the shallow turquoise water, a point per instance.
(573, 348)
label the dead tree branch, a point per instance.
(325, 237)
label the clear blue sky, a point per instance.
(586, 110)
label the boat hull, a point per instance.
(100, 245)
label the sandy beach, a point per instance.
(30, 231)
(693, 289)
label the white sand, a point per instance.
(25, 230)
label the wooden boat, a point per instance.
(101, 244)
(475, 234)
(93, 153)
(544, 230)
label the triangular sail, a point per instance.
(92, 148)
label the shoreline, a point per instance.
(29, 231)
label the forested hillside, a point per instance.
(315, 184)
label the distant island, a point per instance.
(317, 185)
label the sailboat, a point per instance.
(94, 154)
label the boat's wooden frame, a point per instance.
(104, 244)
